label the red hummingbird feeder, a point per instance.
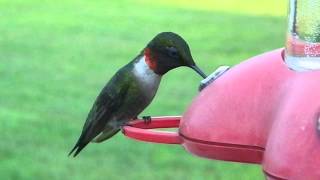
(265, 110)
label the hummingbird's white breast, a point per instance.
(148, 79)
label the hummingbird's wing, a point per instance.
(108, 101)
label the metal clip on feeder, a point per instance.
(265, 110)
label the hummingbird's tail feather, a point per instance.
(72, 150)
(82, 142)
(88, 136)
(78, 147)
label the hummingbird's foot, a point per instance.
(146, 119)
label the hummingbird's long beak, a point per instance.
(199, 71)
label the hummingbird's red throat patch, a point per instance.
(151, 62)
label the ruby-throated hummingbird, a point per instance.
(133, 87)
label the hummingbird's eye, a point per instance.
(172, 52)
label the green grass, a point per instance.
(56, 56)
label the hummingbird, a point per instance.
(133, 87)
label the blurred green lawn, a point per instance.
(55, 56)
